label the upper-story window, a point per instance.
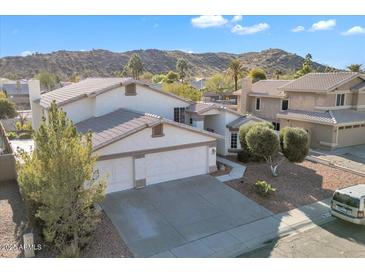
(234, 140)
(258, 104)
(340, 99)
(179, 115)
(284, 104)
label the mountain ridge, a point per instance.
(104, 63)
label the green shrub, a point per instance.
(294, 144)
(263, 188)
(11, 135)
(262, 141)
(246, 155)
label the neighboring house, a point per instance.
(198, 84)
(330, 106)
(18, 93)
(140, 134)
(10, 124)
(219, 119)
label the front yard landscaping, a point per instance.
(297, 184)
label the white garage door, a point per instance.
(351, 135)
(120, 173)
(171, 165)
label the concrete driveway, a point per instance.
(163, 219)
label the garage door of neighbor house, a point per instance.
(176, 164)
(351, 136)
(119, 172)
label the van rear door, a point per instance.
(346, 204)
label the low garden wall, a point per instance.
(7, 159)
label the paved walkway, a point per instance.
(237, 171)
(247, 237)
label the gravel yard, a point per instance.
(296, 185)
(12, 220)
(105, 241)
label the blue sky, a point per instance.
(332, 40)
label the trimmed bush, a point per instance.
(294, 144)
(262, 141)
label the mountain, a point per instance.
(106, 63)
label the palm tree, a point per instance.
(181, 68)
(355, 67)
(135, 65)
(235, 69)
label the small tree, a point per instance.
(257, 74)
(47, 80)
(354, 67)
(219, 83)
(235, 69)
(181, 68)
(135, 66)
(294, 144)
(159, 78)
(262, 141)
(182, 90)
(306, 68)
(59, 185)
(7, 108)
(171, 77)
(246, 128)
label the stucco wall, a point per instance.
(80, 110)
(318, 133)
(268, 109)
(173, 136)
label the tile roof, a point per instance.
(202, 107)
(319, 117)
(115, 125)
(91, 87)
(121, 123)
(235, 124)
(320, 81)
(269, 87)
(333, 117)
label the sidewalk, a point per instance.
(237, 171)
(244, 238)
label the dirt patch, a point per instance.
(12, 220)
(296, 185)
(227, 170)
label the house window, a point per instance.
(157, 131)
(276, 126)
(340, 99)
(233, 140)
(258, 104)
(130, 89)
(284, 104)
(179, 115)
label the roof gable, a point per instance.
(313, 82)
(92, 87)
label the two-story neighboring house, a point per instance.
(330, 106)
(138, 132)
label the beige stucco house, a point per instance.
(330, 106)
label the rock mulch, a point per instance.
(105, 241)
(296, 185)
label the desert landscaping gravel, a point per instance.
(296, 185)
(105, 242)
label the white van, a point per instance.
(349, 204)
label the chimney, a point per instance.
(243, 98)
(34, 97)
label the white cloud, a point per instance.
(354, 30)
(323, 25)
(238, 29)
(26, 53)
(298, 29)
(208, 21)
(236, 18)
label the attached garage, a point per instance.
(136, 150)
(351, 135)
(119, 173)
(175, 164)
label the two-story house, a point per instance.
(330, 106)
(142, 135)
